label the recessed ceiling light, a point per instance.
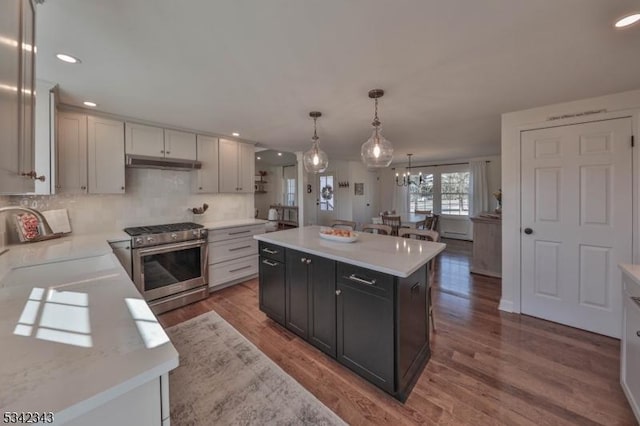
(279, 154)
(90, 104)
(628, 20)
(68, 58)
(236, 134)
(259, 158)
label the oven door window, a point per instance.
(164, 269)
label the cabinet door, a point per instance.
(272, 289)
(44, 136)
(322, 304)
(179, 145)
(631, 349)
(206, 179)
(105, 156)
(365, 332)
(144, 140)
(228, 166)
(246, 167)
(11, 164)
(297, 293)
(72, 153)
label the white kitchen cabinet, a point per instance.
(45, 137)
(71, 161)
(205, 180)
(236, 167)
(17, 73)
(180, 145)
(630, 342)
(144, 140)
(105, 156)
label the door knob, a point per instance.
(308, 261)
(528, 231)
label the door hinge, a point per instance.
(633, 143)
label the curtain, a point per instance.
(401, 200)
(478, 188)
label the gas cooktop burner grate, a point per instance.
(159, 229)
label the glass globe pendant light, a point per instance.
(376, 152)
(315, 160)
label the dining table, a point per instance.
(409, 220)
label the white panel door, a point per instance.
(228, 166)
(105, 156)
(144, 140)
(206, 179)
(179, 145)
(71, 153)
(576, 222)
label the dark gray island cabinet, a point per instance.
(372, 322)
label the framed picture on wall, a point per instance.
(358, 188)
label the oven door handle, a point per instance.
(164, 248)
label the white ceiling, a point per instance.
(450, 68)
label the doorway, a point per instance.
(326, 201)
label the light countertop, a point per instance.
(232, 223)
(632, 271)
(75, 331)
(390, 255)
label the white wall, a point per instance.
(152, 197)
(619, 104)
(451, 227)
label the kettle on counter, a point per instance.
(273, 214)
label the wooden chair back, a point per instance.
(427, 212)
(432, 222)
(344, 224)
(420, 234)
(374, 228)
(393, 222)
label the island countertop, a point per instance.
(390, 255)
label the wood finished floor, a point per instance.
(487, 367)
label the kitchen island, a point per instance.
(362, 303)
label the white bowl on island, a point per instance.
(339, 235)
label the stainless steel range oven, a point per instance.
(170, 264)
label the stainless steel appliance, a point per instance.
(170, 264)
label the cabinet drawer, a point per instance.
(366, 280)
(237, 232)
(272, 251)
(232, 249)
(232, 270)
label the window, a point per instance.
(290, 195)
(421, 195)
(326, 193)
(455, 193)
(445, 193)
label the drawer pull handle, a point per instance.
(303, 260)
(269, 251)
(354, 277)
(415, 287)
(636, 299)
(239, 248)
(267, 262)
(239, 232)
(239, 269)
(308, 261)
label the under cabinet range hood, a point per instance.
(145, 162)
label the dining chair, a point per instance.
(427, 212)
(423, 223)
(432, 222)
(393, 222)
(343, 224)
(374, 228)
(426, 235)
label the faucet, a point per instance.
(46, 229)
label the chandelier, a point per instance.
(315, 160)
(376, 152)
(406, 176)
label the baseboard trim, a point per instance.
(506, 305)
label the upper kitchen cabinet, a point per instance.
(180, 145)
(45, 137)
(105, 156)
(90, 155)
(205, 180)
(71, 164)
(236, 167)
(17, 20)
(152, 141)
(144, 140)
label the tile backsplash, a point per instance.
(152, 197)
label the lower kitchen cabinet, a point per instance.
(311, 299)
(373, 323)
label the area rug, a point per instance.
(223, 379)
